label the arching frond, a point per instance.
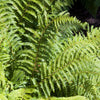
(43, 51)
(76, 61)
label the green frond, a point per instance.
(22, 93)
(43, 51)
(76, 59)
(70, 98)
(2, 97)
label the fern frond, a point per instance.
(2, 97)
(76, 59)
(33, 47)
(22, 93)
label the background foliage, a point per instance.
(45, 52)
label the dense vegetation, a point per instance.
(45, 53)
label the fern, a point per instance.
(68, 65)
(2, 97)
(21, 94)
(38, 59)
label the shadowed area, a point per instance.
(82, 14)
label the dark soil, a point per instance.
(83, 15)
